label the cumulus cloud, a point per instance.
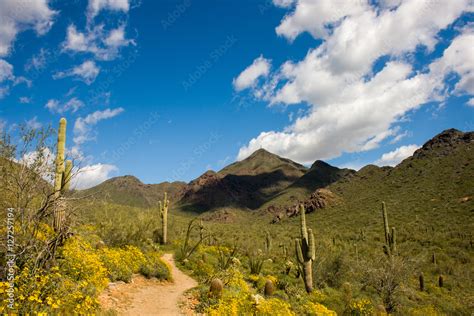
(315, 16)
(247, 78)
(95, 6)
(458, 58)
(72, 105)
(6, 71)
(6, 75)
(351, 107)
(16, 16)
(470, 102)
(394, 157)
(97, 41)
(3, 124)
(83, 125)
(91, 175)
(87, 72)
(283, 3)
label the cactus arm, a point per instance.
(67, 176)
(385, 223)
(304, 232)
(299, 253)
(311, 248)
(393, 241)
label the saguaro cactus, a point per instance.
(59, 175)
(390, 246)
(163, 206)
(305, 252)
(421, 280)
(268, 242)
(66, 179)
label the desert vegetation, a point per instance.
(393, 242)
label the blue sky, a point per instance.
(165, 90)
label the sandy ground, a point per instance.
(149, 297)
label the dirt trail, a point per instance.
(148, 297)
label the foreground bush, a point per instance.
(80, 274)
(154, 267)
(70, 287)
(122, 263)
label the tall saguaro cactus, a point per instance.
(305, 252)
(66, 179)
(60, 175)
(163, 206)
(390, 246)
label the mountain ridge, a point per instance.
(264, 179)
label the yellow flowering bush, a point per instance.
(424, 311)
(82, 264)
(273, 307)
(362, 307)
(70, 287)
(240, 299)
(121, 263)
(318, 309)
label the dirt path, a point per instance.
(148, 297)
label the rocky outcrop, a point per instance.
(443, 143)
(320, 199)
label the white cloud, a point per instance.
(353, 109)
(33, 123)
(470, 102)
(72, 105)
(283, 3)
(87, 72)
(16, 16)
(394, 157)
(102, 44)
(83, 126)
(3, 124)
(315, 16)
(6, 74)
(38, 62)
(116, 38)
(458, 58)
(95, 6)
(24, 100)
(21, 79)
(247, 78)
(91, 175)
(6, 71)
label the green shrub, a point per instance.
(154, 267)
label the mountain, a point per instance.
(244, 184)
(320, 175)
(438, 177)
(440, 169)
(129, 190)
